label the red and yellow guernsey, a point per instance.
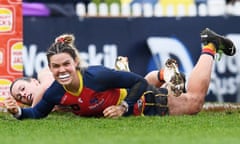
(100, 87)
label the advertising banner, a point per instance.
(147, 42)
(11, 45)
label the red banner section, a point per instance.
(11, 45)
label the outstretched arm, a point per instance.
(39, 111)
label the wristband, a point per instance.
(125, 105)
(17, 115)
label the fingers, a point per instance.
(109, 112)
(11, 105)
(113, 112)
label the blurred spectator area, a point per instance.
(127, 8)
(51, 7)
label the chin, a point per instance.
(64, 82)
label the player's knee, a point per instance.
(196, 105)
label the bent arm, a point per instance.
(135, 83)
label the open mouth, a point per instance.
(63, 76)
(29, 97)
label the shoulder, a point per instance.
(93, 74)
(45, 77)
(56, 85)
(43, 73)
(55, 88)
(54, 93)
(99, 69)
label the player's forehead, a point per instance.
(61, 58)
(19, 84)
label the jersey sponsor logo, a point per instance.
(80, 100)
(95, 103)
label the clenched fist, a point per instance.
(11, 105)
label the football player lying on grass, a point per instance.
(99, 91)
(28, 91)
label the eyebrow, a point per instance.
(64, 62)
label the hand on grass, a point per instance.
(11, 105)
(114, 111)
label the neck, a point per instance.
(74, 86)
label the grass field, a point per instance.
(204, 128)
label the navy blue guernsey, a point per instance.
(100, 87)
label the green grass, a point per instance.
(204, 128)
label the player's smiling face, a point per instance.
(63, 67)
